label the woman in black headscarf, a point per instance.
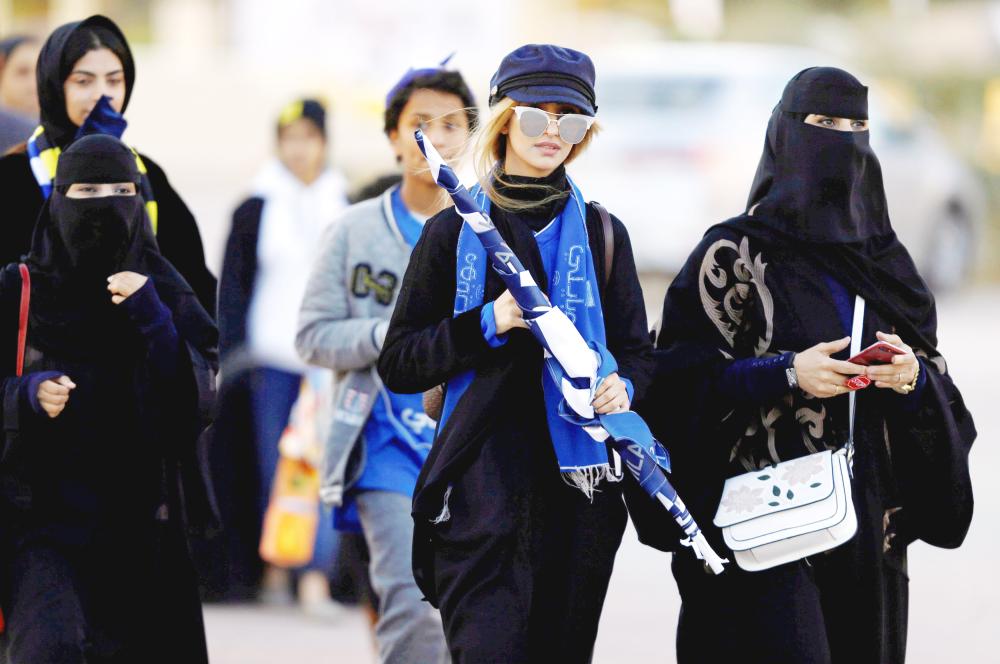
(85, 79)
(751, 371)
(119, 366)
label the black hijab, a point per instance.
(819, 192)
(79, 242)
(64, 47)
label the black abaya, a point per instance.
(96, 501)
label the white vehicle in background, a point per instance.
(683, 124)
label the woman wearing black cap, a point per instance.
(751, 371)
(518, 514)
(118, 372)
(85, 78)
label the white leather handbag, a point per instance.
(795, 508)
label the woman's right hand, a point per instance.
(53, 395)
(507, 313)
(822, 376)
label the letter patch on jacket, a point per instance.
(363, 283)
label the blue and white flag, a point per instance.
(576, 366)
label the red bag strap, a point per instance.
(22, 326)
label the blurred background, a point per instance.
(685, 88)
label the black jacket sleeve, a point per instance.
(425, 346)
(239, 269)
(179, 239)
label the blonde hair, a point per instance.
(489, 148)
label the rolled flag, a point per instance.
(576, 366)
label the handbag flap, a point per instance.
(773, 489)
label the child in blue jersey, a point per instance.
(379, 439)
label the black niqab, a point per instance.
(816, 184)
(818, 192)
(64, 47)
(79, 242)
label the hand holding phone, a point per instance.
(821, 376)
(899, 373)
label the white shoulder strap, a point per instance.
(857, 329)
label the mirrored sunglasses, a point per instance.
(534, 122)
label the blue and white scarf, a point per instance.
(43, 156)
(576, 364)
(573, 288)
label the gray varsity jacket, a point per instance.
(342, 324)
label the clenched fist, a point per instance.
(123, 284)
(53, 395)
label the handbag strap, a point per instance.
(856, 330)
(22, 324)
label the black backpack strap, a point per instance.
(609, 243)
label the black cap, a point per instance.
(542, 73)
(309, 109)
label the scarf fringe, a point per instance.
(445, 513)
(587, 479)
(701, 548)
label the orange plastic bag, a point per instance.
(292, 517)
(289, 534)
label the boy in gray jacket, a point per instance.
(379, 439)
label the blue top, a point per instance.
(547, 240)
(409, 226)
(398, 435)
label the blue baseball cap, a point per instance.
(540, 73)
(414, 73)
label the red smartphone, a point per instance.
(880, 352)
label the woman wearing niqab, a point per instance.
(100, 429)
(751, 371)
(76, 102)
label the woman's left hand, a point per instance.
(900, 372)
(123, 284)
(611, 396)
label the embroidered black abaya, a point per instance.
(764, 284)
